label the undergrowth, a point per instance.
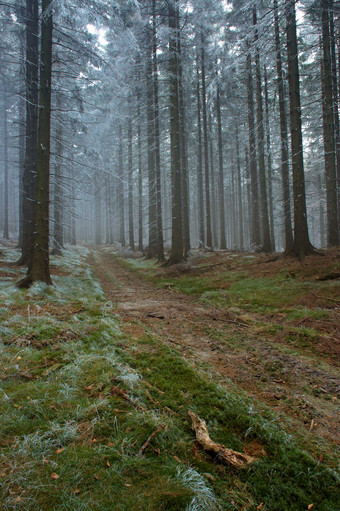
(79, 399)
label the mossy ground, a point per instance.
(70, 440)
(276, 294)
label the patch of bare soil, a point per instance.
(300, 386)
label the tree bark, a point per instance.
(160, 241)
(5, 135)
(152, 250)
(239, 189)
(266, 242)
(140, 174)
(284, 138)
(130, 182)
(58, 238)
(269, 166)
(176, 255)
(31, 136)
(223, 242)
(209, 242)
(200, 200)
(329, 130)
(40, 269)
(301, 245)
(120, 188)
(255, 239)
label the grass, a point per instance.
(70, 441)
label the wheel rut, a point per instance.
(286, 382)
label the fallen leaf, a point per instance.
(177, 459)
(3, 474)
(110, 444)
(126, 484)
(108, 463)
(58, 451)
(310, 506)
(17, 499)
(260, 506)
(96, 477)
(54, 476)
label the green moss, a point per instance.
(60, 413)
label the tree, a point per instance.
(284, 137)
(39, 270)
(301, 244)
(329, 135)
(31, 132)
(176, 255)
(266, 244)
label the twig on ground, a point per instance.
(146, 444)
(325, 298)
(116, 391)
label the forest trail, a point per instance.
(285, 381)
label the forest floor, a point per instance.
(276, 333)
(98, 373)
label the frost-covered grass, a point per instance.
(79, 398)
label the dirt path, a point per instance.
(299, 386)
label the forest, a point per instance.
(169, 254)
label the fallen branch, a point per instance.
(221, 453)
(146, 444)
(116, 391)
(330, 276)
(325, 298)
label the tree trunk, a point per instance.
(152, 250)
(140, 175)
(31, 136)
(213, 197)
(40, 269)
(239, 188)
(209, 242)
(130, 183)
(120, 188)
(176, 255)
(22, 134)
(335, 87)
(223, 242)
(301, 245)
(5, 135)
(183, 149)
(269, 166)
(329, 130)
(58, 231)
(266, 243)
(200, 200)
(284, 138)
(160, 241)
(255, 239)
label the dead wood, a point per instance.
(330, 276)
(221, 453)
(116, 391)
(146, 444)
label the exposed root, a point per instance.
(219, 452)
